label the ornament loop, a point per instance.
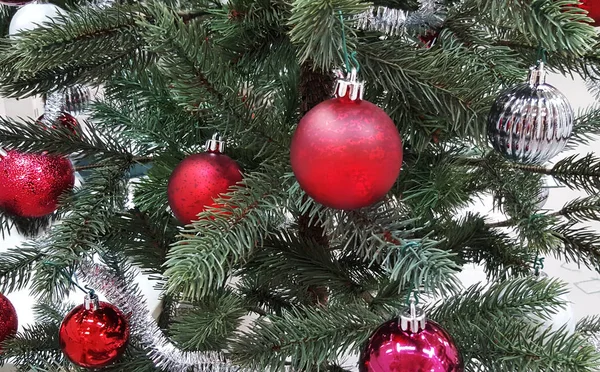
(350, 87)
(413, 318)
(215, 144)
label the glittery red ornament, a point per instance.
(593, 9)
(346, 152)
(15, 2)
(32, 183)
(94, 334)
(8, 319)
(394, 347)
(199, 179)
(64, 120)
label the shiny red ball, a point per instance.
(197, 181)
(15, 2)
(32, 183)
(593, 9)
(94, 337)
(346, 154)
(64, 120)
(8, 319)
(390, 349)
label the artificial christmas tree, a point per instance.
(272, 280)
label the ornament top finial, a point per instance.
(413, 319)
(537, 75)
(350, 87)
(215, 144)
(91, 301)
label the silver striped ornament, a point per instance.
(531, 122)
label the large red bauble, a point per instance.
(94, 337)
(346, 154)
(390, 349)
(593, 9)
(8, 319)
(32, 183)
(198, 180)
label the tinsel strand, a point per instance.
(431, 14)
(165, 355)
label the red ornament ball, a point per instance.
(593, 9)
(198, 180)
(390, 349)
(32, 183)
(8, 319)
(64, 120)
(94, 334)
(15, 2)
(346, 154)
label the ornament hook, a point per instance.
(215, 144)
(350, 87)
(413, 318)
(537, 75)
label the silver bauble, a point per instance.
(531, 122)
(77, 98)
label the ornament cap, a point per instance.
(350, 87)
(413, 319)
(537, 75)
(215, 144)
(91, 301)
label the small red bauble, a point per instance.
(94, 334)
(345, 153)
(64, 120)
(391, 349)
(593, 9)
(199, 179)
(15, 2)
(32, 183)
(8, 319)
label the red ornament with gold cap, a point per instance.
(94, 334)
(346, 152)
(200, 179)
(411, 343)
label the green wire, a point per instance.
(347, 56)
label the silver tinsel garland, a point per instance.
(128, 298)
(431, 14)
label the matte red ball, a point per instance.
(346, 154)
(8, 319)
(390, 349)
(593, 9)
(197, 181)
(64, 120)
(94, 338)
(15, 2)
(32, 183)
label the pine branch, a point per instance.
(36, 346)
(316, 29)
(92, 207)
(17, 267)
(589, 326)
(32, 136)
(210, 323)
(308, 337)
(208, 249)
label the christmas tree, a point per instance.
(294, 176)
